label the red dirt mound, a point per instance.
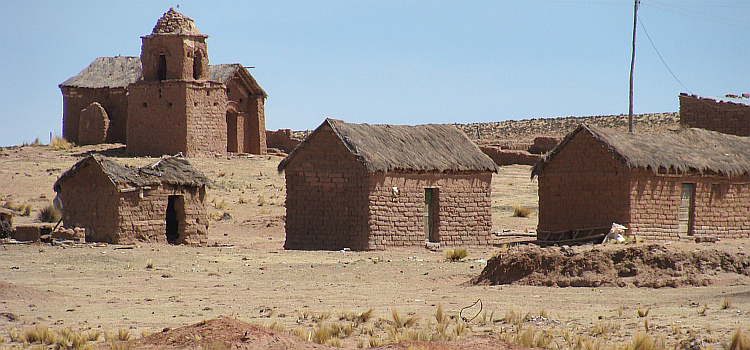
(225, 333)
(651, 265)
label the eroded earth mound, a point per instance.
(647, 265)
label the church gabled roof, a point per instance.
(224, 72)
(108, 72)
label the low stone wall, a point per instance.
(282, 140)
(509, 157)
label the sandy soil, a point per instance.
(248, 276)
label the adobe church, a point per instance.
(168, 101)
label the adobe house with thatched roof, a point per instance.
(168, 100)
(729, 114)
(160, 202)
(366, 187)
(689, 182)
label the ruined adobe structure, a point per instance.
(167, 101)
(366, 187)
(161, 202)
(729, 114)
(691, 182)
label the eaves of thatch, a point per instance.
(225, 72)
(385, 148)
(107, 72)
(688, 150)
(121, 71)
(169, 170)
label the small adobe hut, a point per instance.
(729, 114)
(689, 182)
(161, 202)
(365, 187)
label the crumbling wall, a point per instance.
(281, 139)
(114, 101)
(509, 157)
(93, 125)
(706, 113)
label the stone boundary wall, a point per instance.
(397, 205)
(282, 140)
(510, 157)
(706, 113)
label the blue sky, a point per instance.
(398, 62)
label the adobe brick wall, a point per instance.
(583, 186)
(509, 157)
(326, 201)
(281, 139)
(114, 101)
(255, 134)
(180, 51)
(706, 113)
(176, 116)
(721, 205)
(90, 201)
(463, 214)
(93, 125)
(144, 219)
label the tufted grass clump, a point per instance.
(49, 214)
(456, 254)
(60, 144)
(521, 212)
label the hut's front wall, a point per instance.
(114, 101)
(144, 219)
(326, 197)
(582, 187)
(709, 114)
(90, 200)
(720, 206)
(461, 204)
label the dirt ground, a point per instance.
(247, 275)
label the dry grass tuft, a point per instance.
(49, 214)
(521, 212)
(456, 254)
(738, 341)
(60, 144)
(725, 304)
(643, 313)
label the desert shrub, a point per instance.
(521, 212)
(456, 254)
(49, 214)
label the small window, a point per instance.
(161, 67)
(145, 104)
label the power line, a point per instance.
(679, 9)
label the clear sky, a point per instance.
(397, 62)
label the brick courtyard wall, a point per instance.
(144, 219)
(721, 205)
(114, 101)
(326, 197)
(583, 186)
(90, 200)
(509, 157)
(706, 113)
(463, 214)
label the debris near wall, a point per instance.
(651, 266)
(281, 139)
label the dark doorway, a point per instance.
(173, 219)
(197, 65)
(430, 208)
(161, 67)
(685, 211)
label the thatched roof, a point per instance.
(224, 72)
(405, 148)
(121, 71)
(170, 170)
(686, 150)
(108, 72)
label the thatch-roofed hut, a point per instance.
(687, 182)
(364, 187)
(160, 202)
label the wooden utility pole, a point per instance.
(632, 65)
